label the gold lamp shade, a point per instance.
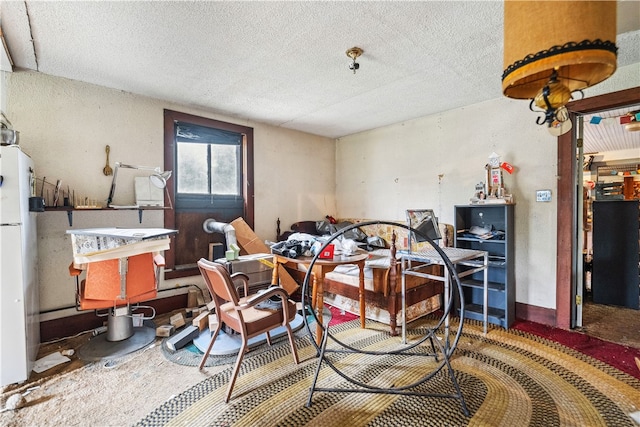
(574, 38)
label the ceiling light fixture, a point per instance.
(553, 49)
(353, 53)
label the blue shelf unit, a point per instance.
(490, 228)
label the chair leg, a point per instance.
(236, 369)
(213, 339)
(294, 351)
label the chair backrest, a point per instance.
(218, 281)
(103, 280)
(425, 223)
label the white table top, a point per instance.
(454, 254)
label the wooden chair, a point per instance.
(241, 314)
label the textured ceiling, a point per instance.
(281, 63)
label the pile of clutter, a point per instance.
(185, 326)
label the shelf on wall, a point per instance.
(70, 209)
(491, 286)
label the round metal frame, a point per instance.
(445, 347)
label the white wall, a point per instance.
(4, 77)
(435, 161)
(65, 126)
(383, 172)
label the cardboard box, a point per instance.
(247, 239)
(252, 244)
(287, 281)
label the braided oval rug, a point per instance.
(507, 377)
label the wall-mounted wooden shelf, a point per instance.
(70, 209)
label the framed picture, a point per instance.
(423, 221)
(496, 178)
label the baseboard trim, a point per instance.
(85, 321)
(533, 313)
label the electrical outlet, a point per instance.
(543, 196)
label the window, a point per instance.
(212, 163)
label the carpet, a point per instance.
(616, 355)
(507, 377)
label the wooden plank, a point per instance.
(201, 321)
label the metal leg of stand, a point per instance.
(323, 346)
(460, 397)
(447, 284)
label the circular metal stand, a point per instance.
(98, 348)
(227, 345)
(441, 349)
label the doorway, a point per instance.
(569, 254)
(611, 188)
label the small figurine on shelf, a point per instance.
(479, 193)
(494, 176)
(495, 191)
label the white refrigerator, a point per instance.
(19, 302)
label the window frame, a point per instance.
(170, 118)
(199, 201)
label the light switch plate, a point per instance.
(543, 195)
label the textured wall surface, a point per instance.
(430, 162)
(435, 161)
(65, 126)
